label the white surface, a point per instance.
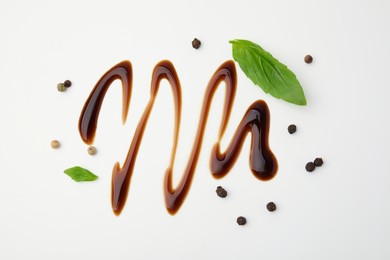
(341, 211)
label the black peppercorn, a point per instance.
(308, 59)
(221, 192)
(196, 43)
(310, 166)
(271, 206)
(241, 221)
(318, 162)
(292, 128)
(67, 83)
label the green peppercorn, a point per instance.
(61, 87)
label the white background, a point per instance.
(341, 211)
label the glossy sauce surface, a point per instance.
(256, 119)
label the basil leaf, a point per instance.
(267, 72)
(79, 174)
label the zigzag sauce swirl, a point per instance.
(256, 120)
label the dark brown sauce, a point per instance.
(255, 121)
(89, 116)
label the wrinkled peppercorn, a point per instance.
(196, 43)
(310, 166)
(221, 192)
(318, 162)
(271, 206)
(67, 83)
(308, 59)
(292, 128)
(241, 221)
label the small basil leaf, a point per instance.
(79, 174)
(267, 72)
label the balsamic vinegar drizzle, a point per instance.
(255, 121)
